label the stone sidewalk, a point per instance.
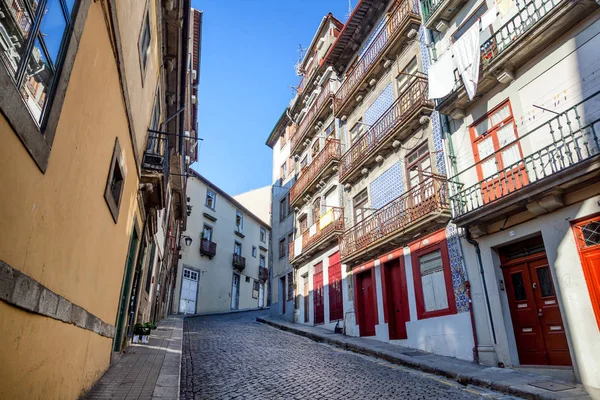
(505, 380)
(146, 371)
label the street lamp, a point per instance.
(188, 240)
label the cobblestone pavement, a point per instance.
(233, 356)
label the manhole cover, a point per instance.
(552, 386)
(415, 353)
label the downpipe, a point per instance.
(475, 341)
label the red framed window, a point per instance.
(433, 281)
(318, 299)
(334, 273)
(497, 152)
(587, 235)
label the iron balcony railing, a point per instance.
(331, 152)
(309, 119)
(428, 7)
(156, 153)
(397, 216)
(561, 142)
(400, 112)
(396, 21)
(238, 262)
(208, 248)
(328, 225)
(263, 274)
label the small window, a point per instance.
(211, 199)
(290, 238)
(247, 279)
(144, 43)
(330, 131)
(207, 232)
(261, 262)
(283, 170)
(283, 208)
(303, 220)
(239, 220)
(356, 130)
(237, 248)
(282, 248)
(360, 206)
(263, 235)
(115, 182)
(254, 251)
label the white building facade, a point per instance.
(224, 262)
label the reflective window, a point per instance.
(518, 287)
(546, 286)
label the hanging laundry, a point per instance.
(467, 57)
(441, 76)
(489, 17)
(298, 246)
(504, 6)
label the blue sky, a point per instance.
(249, 48)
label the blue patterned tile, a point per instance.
(457, 269)
(387, 186)
(379, 106)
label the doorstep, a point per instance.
(513, 382)
(146, 371)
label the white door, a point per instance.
(261, 295)
(189, 289)
(235, 292)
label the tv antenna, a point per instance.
(349, 9)
(298, 66)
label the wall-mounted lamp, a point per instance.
(188, 240)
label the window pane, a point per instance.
(591, 233)
(506, 134)
(53, 28)
(37, 81)
(500, 115)
(485, 148)
(15, 27)
(433, 281)
(546, 286)
(511, 156)
(489, 167)
(518, 287)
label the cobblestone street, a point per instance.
(233, 356)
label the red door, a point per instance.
(396, 298)
(334, 274)
(318, 294)
(537, 322)
(587, 234)
(366, 303)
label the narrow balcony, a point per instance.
(320, 108)
(379, 55)
(562, 155)
(324, 164)
(155, 169)
(239, 262)
(208, 248)
(322, 234)
(436, 13)
(422, 209)
(309, 73)
(400, 120)
(263, 274)
(515, 43)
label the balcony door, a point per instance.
(207, 233)
(316, 210)
(418, 166)
(498, 154)
(237, 249)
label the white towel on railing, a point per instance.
(298, 246)
(489, 17)
(467, 55)
(441, 76)
(313, 230)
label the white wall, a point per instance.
(258, 201)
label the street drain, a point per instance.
(552, 386)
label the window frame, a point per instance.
(263, 235)
(442, 246)
(254, 251)
(240, 226)
(214, 198)
(143, 56)
(358, 208)
(283, 170)
(262, 261)
(422, 175)
(282, 248)
(114, 205)
(210, 229)
(283, 208)
(38, 138)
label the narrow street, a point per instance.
(233, 356)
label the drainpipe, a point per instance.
(487, 297)
(475, 341)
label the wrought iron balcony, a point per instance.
(525, 35)
(263, 274)
(319, 168)
(239, 262)
(156, 153)
(562, 154)
(208, 248)
(401, 19)
(398, 122)
(422, 209)
(317, 110)
(320, 235)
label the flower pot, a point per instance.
(136, 338)
(145, 339)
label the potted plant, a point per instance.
(138, 331)
(141, 332)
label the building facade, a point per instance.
(78, 268)
(224, 263)
(523, 157)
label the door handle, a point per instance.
(534, 285)
(540, 312)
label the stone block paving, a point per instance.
(234, 357)
(145, 371)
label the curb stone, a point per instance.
(507, 381)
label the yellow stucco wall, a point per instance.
(57, 228)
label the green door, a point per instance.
(125, 290)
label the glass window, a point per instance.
(407, 75)
(254, 251)
(356, 130)
(518, 286)
(263, 235)
(211, 199)
(433, 281)
(239, 220)
(545, 279)
(282, 248)
(262, 261)
(33, 66)
(145, 42)
(469, 22)
(283, 209)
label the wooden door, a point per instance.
(318, 298)
(587, 235)
(306, 300)
(366, 305)
(537, 322)
(235, 292)
(396, 299)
